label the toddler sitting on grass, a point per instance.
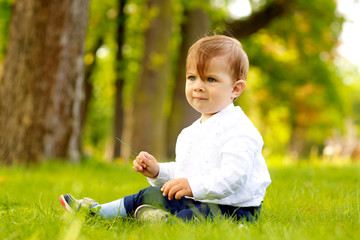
(219, 167)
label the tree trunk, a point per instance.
(88, 86)
(42, 87)
(119, 84)
(149, 121)
(195, 26)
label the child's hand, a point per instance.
(146, 164)
(179, 187)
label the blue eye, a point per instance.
(210, 79)
(191, 78)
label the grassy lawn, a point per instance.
(303, 202)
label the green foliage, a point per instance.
(5, 11)
(297, 91)
(103, 23)
(350, 76)
(98, 127)
(293, 91)
(291, 63)
(101, 28)
(303, 202)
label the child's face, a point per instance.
(210, 95)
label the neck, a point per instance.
(205, 117)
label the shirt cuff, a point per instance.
(197, 187)
(161, 179)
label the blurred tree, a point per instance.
(148, 131)
(294, 94)
(5, 11)
(271, 32)
(292, 79)
(294, 60)
(260, 18)
(41, 90)
(120, 81)
(88, 86)
(196, 24)
(100, 61)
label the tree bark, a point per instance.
(42, 87)
(195, 26)
(149, 121)
(119, 84)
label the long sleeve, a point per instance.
(166, 172)
(231, 175)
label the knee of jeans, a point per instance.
(152, 190)
(152, 196)
(186, 214)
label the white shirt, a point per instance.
(221, 159)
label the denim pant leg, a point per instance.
(185, 208)
(112, 209)
(250, 214)
(152, 196)
(195, 209)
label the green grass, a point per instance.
(303, 202)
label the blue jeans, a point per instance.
(187, 209)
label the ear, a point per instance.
(239, 87)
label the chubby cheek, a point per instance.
(188, 92)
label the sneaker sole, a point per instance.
(140, 208)
(65, 204)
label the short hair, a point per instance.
(209, 47)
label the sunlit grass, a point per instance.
(304, 201)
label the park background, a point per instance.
(78, 76)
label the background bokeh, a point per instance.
(302, 94)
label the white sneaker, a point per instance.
(151, 214)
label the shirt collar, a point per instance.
(225, 110)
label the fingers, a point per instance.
(175, 187)
(166, 188)
(180, 194)
(139, 163)
(146, 164)
(173, 190)
(137, 167)
(147, 158)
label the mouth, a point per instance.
(200, 98)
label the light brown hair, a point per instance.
(209, 47)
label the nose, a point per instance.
(199, 86)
